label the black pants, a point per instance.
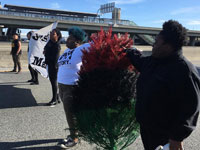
(152, 138)
(34, 74)
(66, 95)
(52, 71)
(16, 61)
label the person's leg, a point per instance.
(67, 99)
(35, 77)
(18, 62)
(67, 103)
(15, 64)
(152, 138)
(31, 72)
(35, 74)
(52, 70)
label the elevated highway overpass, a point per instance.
(26, 18)
(37, 23)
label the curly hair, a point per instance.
(78, 33)
(174, 33)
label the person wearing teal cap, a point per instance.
(69, 64)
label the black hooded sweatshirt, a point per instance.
(52, 52)
(168, 94)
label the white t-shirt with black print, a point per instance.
(69, 64)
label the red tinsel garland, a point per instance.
(106, 52)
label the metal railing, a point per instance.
(87, 19)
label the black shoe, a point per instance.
(67, 143)
(18, 72)
(30, 80)
(13, 70)
(52, 103)
(34, 83)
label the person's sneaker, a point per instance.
(52, 104)
(58, 99)
(18, 72)
(67, 143)
(66, 139)
(34, 83)
(30, 80)
(13, 70)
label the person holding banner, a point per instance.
(16, 53)
(51, 53)
(34, 74)
(69, 64)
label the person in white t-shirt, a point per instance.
(69, 64)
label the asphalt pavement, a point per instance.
(27, 124)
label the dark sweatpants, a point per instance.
(65, 92)
(16, 61)
(152, 138)
(52, 71)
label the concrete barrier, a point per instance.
(191, 53)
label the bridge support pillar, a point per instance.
(192, 41)
(1, 31)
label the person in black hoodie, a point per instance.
(52, 52)
(168, 90)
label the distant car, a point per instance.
(24, 40)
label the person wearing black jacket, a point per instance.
(168, 90)
(52, 52)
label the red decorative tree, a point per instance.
(106, 52)
(104, 98)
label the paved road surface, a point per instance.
(26, 124)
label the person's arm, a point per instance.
(185, 109)
(58, 48)
(135, 57)
(19, 48)
(44, 50)
(175, 145)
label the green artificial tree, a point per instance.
(104, 100)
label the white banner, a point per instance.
(36, 47)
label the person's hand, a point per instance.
(175, 145)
